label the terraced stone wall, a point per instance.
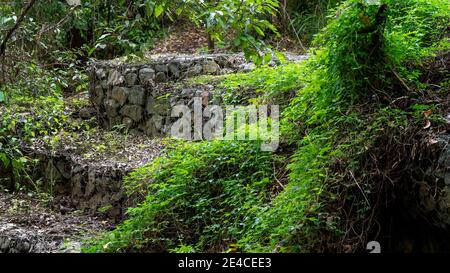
(131, 96)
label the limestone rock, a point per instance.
(247, 67)
(137, 95)
(161, 77)
(194, 71)
(131, 79)
(128, 122)
(115, 78)
(97, 95)
(132, 111)
(146, 75)
(100, 73)
(112, 107)
(104, 84)
(210, 67)
(162, 68)
(175, 70)
(120, 94)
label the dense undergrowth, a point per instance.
(348, 100)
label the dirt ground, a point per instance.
(27, 224)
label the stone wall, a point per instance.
(82, 185)
(432, 187)
(133, 95)
(130, 95)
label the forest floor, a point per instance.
(27, 224)
(188, 39)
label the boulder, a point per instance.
(100, 73)
(162, 68)
(97, 95)
(128, 122)
(174, 70)
(194, 71)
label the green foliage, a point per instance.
(119, 27)
(201, 197)
(357, 58)
(265, 84)
(96, 28)
(20, 123)
(247, 20)
(354, 55)
(307, 18)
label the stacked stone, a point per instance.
(129, 95)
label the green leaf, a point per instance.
(159, 9)
(259, 30)
(267, 57)
(2, 96)
(280, 56)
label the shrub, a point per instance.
(203, 195)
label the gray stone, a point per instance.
(187, 92)
(194, 71)
(87, 112)
(149, 128)
(210, 67)
(131, 79)
(447, 178)
(132, 111)
(100, 73)
(161, 77)
(158, 121)
(97, 95)
(128, 122)
(120, 94)
(137, 95)
(111, 107)
(146, 75)
(162, 68)
(175, 70)
(105, 85)
(89, 190)
(115, 78)
(247, 67)
(114, 121)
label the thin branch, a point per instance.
(52, 27)
(19, 21)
